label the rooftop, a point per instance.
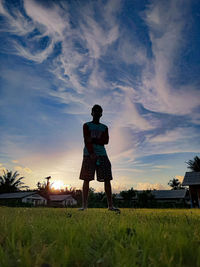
(161, 194)
(167, 194)
(191, 178)
(17, 194)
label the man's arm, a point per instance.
(87, 139)
(103, 140)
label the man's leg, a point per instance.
(85, 194)
(108, 191)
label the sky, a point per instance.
(139, 60)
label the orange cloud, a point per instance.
(21, 169)
(15, 161)
(180, 178)
(148, 186)
(28, 170)
(2, 169)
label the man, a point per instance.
(95, 157)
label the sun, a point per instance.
(58, 185)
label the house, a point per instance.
(61, 200)
(192, 179)
(118, 197)
(17, 198)
(171, 196)
(159, 198)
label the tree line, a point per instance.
(12, 182)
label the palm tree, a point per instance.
(10, 182)
(175, 184)
(194, 164)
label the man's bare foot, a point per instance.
(81, 209)
(114, 209)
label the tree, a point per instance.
(145, 199)
(175, 184)
(96, 199)
(45, 189)
(78, 196)
(10, 182)
(128, 196)
(194, 164)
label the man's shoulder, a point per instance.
(104, 126)
(91, 124)
(86, 123)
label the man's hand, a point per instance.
(103, 140)
(93, 156)
(95, 141)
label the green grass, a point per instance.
(97, 237)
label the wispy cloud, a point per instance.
(167, 23)
(162, 167)
(178, 134)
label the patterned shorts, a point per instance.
(102, 168)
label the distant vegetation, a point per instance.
(194, 165)
(11, 182)
(175, 184)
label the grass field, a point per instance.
(97, 237)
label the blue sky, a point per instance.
(140, 60)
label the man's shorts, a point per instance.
(102, 168)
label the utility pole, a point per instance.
(48, 189)
(48, 183)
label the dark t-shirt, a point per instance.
(96, 131)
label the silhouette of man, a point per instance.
(95, 157)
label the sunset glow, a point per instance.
(58, 185)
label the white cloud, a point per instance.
(38, 57)
(16, 24)
(120, 153)
(170, 136)
(128, 114)
(127, 123)
(177, 134)
(120, 183)
(130, 51)
(54, 19)
(166, 22)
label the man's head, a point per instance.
(96, 111)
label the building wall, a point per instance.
(195, 195)
(36, 200)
